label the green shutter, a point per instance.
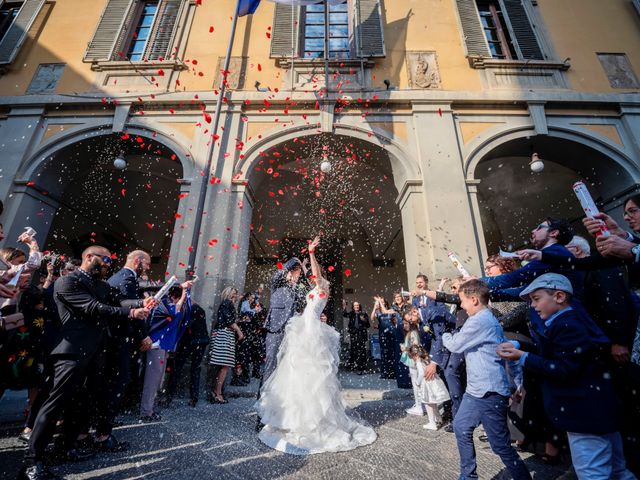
(164, 30)
(17, 32)
(112, 30)
(474, 39)
(369, 29)
(522, 30)
(286, 31)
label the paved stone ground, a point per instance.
(219, 442)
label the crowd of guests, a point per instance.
(547, 339)
(543, 351)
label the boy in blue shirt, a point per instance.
(486, 398)
(577, 391)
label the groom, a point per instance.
(287, 299)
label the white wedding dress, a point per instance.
(301, 402)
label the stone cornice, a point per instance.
(414, 97)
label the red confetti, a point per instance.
(207, 117)
(211, 29)
(347, 272)
(268, 35)
(259, 67)
(331, 268)
(279, 265)
(149, 226)
(177, 215)
(234, 246)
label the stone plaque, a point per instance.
(46, 78)
(423, 70)
(618, 70)
(236, 75)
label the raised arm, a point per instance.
(315, 266)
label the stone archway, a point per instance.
(509, 199)
(71, 193)
(279, 183)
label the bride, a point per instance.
(301, 402)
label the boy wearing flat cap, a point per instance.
(576, 386)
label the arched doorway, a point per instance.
(75, 196)
(353, 206)
(512, 199)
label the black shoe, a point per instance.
(36, 472)
(448, 428)
(154, 417)
(193, 402)
(259, 426)
(71, 456)
(24, 437)
(111, 445)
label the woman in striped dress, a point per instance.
(222, 351)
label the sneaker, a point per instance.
(415, 410)
(154, 417)
(449, 428)
(430, 426)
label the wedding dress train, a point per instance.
(301, 402)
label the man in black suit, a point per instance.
(109, 382)
(83, 312)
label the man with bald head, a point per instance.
(84, 310)
(124, 340)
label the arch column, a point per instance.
(448, 214)
(29, 208)
(19, 132)
(418, 256)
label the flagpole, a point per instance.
(326, 50)
(211, 150)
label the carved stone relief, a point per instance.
(423, 70)
(236, 75)
(618, 70)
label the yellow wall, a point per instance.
(577, 28)
(580, 28)
(60, 35)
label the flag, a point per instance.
(247, 7)
(307, 2)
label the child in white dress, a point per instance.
(432, 392)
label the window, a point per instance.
(495, 30)
(8, 13)
(139, 31)
(314, 29)
(142, 33)
(355, 27)
(499, 29)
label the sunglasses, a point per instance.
(105, 258)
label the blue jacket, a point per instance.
(576, 388)
(166, 325)
(439, 320)
(509, 285)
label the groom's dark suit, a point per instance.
(287, 299)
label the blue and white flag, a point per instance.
(307, 2)
(247, 7)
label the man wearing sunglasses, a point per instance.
(85, 306)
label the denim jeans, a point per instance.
(598, 457)
(491, 412)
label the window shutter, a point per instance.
(286, 31)
(523, 30)
(110, 31)
(369, 29)
(472, 32)
(17, 32)
(164, 30)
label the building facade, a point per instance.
(433, 111)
